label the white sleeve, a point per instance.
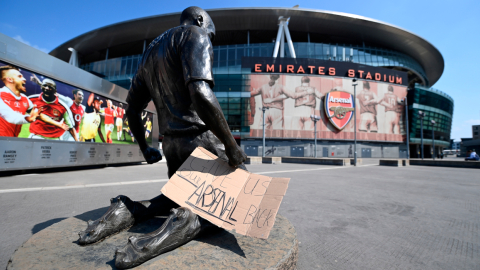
(10, 115)
(68, 101)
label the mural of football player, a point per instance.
(14, 104)
(56, 115)
(92, 120)
(368, 109)
(76, 109)
(119, 120)
(272, 94)
(109, 114)
(305, 105)
(393, 111)
(148, 127)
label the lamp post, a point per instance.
(406, 125)
(354, 122)
(421, 114)
(315, 119)
(263, 110)
(433, 137)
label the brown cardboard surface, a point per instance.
(230, 198)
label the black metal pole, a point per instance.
(263, 150)
(433, 140)
(408, 135)
(315, 122)
(421, 135)
(355, 125)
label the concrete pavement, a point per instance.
(369, 217)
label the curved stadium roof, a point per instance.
(241, 19)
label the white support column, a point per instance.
(282, 42)
(277, 41)
(73, 57)
(289, 40)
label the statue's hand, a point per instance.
(152, 155)
(235, 155)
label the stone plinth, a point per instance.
(56, 248)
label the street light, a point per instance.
(421, 114)
(406, 125)
(315, 119)
(354, 121)
(263, 110)
(433, 137)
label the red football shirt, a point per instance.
(108, 116)
(54, 110)
(78, 111)
(119, 112)
(17, 105)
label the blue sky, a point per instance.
(451, 26)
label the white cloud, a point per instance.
(19, 38)
(472, 122)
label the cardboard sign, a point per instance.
(230, 198)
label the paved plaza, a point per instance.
(368, 217)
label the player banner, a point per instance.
(37, 107)
(292, 99)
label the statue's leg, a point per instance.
(181, 226)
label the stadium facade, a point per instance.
(319, 50)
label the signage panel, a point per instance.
(307, 66)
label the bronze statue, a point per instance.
(176, 73)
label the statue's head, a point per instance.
(199, 17)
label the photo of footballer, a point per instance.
(120, 113)
(273, 93)
(14, 104)
(393, 111)
(109, 113)
(56, 116)
(368, 109)
(148, 127)
(92, 120)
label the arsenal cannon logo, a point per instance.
(339, 107)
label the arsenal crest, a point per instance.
(339, 108)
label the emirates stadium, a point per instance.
(383, 70)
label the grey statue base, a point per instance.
(56, 248)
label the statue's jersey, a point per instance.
(391, 99)
(12, 113)
(364, 97)
(307, 100)
(91, 122)
(174, 59)
(57, 110)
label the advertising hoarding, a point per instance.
(292, 99)
(65, 113)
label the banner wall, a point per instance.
(379, 108)
(93, 117)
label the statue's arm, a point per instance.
(206, 105)
(138, 99)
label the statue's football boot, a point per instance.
(117, 218)
(181, 226)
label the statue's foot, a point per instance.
(181, 226)
(116, 219)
